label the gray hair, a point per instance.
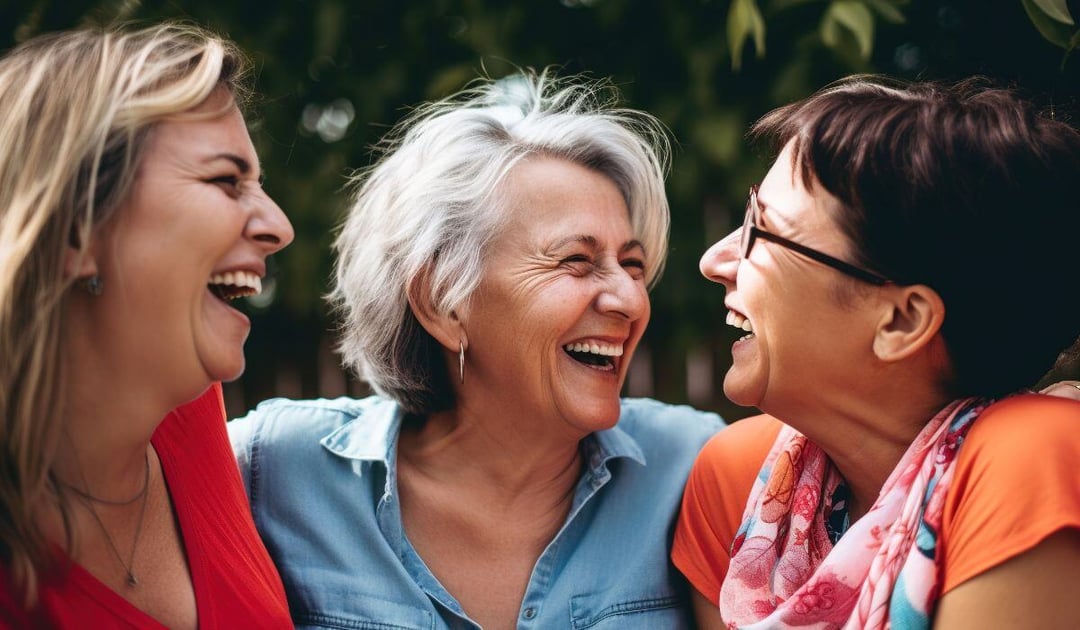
(430, 205)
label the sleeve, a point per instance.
(1017, 482)
(715, 499)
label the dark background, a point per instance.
(335, 74)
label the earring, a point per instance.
(461, 361)
(93, 285)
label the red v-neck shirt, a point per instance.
(236, 585)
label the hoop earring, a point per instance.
(461, 361)
(93, 285)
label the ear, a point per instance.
(79, 262)
(446, 328)
(913, 317)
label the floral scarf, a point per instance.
(785, 570)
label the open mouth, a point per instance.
(597, 355)
(231, 285)
(740, 322)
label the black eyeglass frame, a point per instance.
(751, 232)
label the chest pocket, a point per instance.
(594, 612)
(352, 611)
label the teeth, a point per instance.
(245, 279)
(738, 321)
(604, 350)
(235, 284)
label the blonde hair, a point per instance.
(76, 108)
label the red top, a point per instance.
(236, 586)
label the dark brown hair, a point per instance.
(964, 187)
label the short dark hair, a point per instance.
(967, 188)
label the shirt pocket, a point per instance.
(597, 612)
(351, 611)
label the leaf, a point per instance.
(853, 16)
(744, 19)
(889, 10)
(1053, 31)
(1056, 10)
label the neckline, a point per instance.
(115, 602)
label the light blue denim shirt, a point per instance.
(322, 480)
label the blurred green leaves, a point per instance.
(334, 75)
(743, 21)
(1054, 22)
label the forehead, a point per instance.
(211, 129)
(548, 196)
(787, 198)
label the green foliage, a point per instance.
(744, 20)
(336, 74)
(1055, 22)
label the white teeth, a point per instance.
(738, 321)
(603, 350)
(248, 279)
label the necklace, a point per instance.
(89, 497)
(89, 501)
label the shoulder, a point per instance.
(1014, 484)
(1019, 422)
(1020, 436)
(651, 420)
(284, 419)
(742, 445)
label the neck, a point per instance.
(106, 435)
(866, 433)
(481, 452)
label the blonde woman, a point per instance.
(130, 214)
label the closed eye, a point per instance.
(229, 183)
(637, 266)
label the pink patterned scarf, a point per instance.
(785, 570)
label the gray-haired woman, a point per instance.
(492, 278)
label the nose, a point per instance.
(269, 226)
(720, 263)
(623, 296)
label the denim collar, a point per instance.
(372, 436)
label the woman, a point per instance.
(908, 486)
(130, 214)
(492, 277)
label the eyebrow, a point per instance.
(241, 163)
(592, 243)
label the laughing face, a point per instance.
(193, 235)
(563, 302)
(798, 335)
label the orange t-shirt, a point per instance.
(1017, 481)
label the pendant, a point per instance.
(131, 581)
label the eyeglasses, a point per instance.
(751, 232)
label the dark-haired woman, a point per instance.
(900, 278)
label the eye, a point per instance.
(230, 183)
(635, 265)
(577, 262)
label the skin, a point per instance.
(808, 339)
(487, 485)
(160, 337)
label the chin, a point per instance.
(739, 393)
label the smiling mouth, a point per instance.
(740, 322)
(595, 355)
(232, 285)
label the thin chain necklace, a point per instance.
(89, 500)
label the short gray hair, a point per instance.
(430, 205)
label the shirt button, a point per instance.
(529, 613)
